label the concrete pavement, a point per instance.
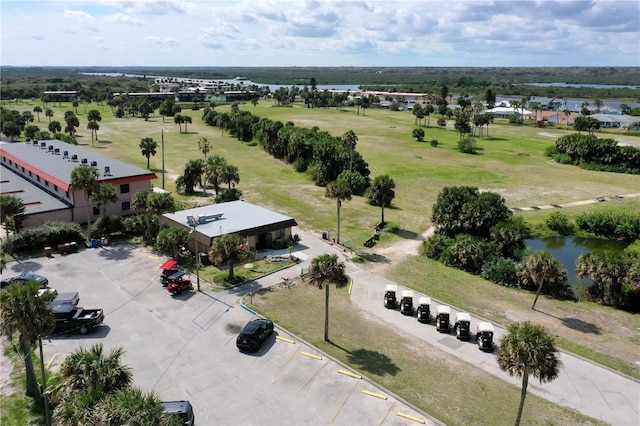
(585, 386)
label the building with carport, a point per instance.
(260, 227)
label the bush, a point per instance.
(435, 246)
(467, 145)
(469, 253)
(357, 182)
(49, 234)
(613, 225)
(558, 222)
(300, 165)
(434, 142)
(108, 225)
(500, 271)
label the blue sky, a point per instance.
(319, 33)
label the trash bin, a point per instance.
(204, 259)
(47, 251)
(94, 243)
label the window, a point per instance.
(124, 188)
(30, 174)
(38, 178)
(96, 211)
(126, 205)
(55, 188)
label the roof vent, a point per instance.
(74, 157)
(84, 161)
(65, 154)
(94, 164)
(107, 171)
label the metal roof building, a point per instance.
(261, 227)
(39, 173)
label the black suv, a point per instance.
(181, 409)
(253, 334)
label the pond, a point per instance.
(568, 249)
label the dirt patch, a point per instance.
(6, 370)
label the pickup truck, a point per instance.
(78, 319)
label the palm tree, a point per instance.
(539, 268)
(148, 148)
(171, 239)
(350, 140)
(186, 119)
(381, 193)
(37, 109)
(49, 113)
(338, 190)
(178, 119)
(94, 127)
(130, 406)
(87, 377)
(55, 126)
(85, 178)
(325, 270)
(528, 349)
(12, 208)
(29, 316)
(567, 113)
(204, 145)
(230, 175)
(213, 171)
(139, 202)
(159, 203)
(229, 249)
(103, 195)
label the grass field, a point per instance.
(510, 161)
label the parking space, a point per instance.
(183, 347)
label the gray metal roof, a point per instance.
(41, 155)
(35, 200)
(239, 217)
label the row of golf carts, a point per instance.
(462, 322)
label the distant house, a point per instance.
(60, 95)
(505, 112)
(39, 173)
(261, 228)
(615, 120)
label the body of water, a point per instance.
(594, 86)
(568, 249)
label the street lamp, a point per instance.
(196, 221)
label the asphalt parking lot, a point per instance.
(184, 348)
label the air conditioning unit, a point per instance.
(56, 151)
(43, 145)
(85, 161)
(65, 154)
(94, 164)
(74, 157)
(51, 148)
(107, 171)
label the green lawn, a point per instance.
(510, 161)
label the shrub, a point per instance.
(558, 222)
(48, 234)
(434, 142)
(469, 253)
(434, 246)
(613, 225)
(500, 271)
(108, 225)
(300, 165)
(357, 182)
(467, 145)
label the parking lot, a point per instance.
(183, 347)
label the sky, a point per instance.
(323, 33)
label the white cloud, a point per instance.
(121, 18)
(36, 36)
(156, 7)
(79, 16)
(160, 43)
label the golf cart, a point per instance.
(424, 315)
(169, 268)
(462, 326)
(442, 318)
(484, 336)
(406, 303)
(390, 300)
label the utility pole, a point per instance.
(163, 173)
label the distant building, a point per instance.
(261, 228)
(39, 173)
(60, 95)
(615, 120)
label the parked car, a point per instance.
(390, 300)
(181, 409)
(254, 334)
(462, 326)
(424, 313)
(25, 278)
